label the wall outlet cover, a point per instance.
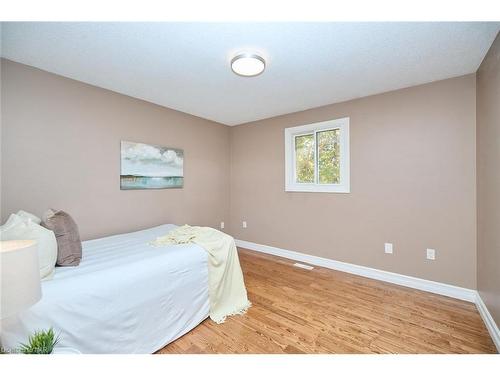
(431, 254)
(388, 248)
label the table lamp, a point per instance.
(19, 276)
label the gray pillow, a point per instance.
(69, 246)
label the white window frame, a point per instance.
(290, 133)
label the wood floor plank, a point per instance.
(325, 311)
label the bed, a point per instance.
(125, 296)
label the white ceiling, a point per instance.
(185, 66)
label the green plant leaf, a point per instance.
(41, 342)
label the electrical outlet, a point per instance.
(244, 224)
(388, 248)
(221, 225)
(431, 254)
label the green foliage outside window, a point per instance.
(304, 158)
(328, 157)
(328, 154)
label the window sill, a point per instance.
(318, 188)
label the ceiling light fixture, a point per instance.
(248, 65)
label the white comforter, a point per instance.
(125, 296)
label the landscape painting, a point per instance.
(146, 166)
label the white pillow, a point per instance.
(11, 221)
(28, 216)
(17, 228)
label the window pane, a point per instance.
(328, 156)
(304, 158)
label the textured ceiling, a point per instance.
(185, 66)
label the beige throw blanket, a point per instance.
(226, 287)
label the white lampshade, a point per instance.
(19, 276)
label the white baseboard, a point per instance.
(469, 295)
(488, 321)
(464, 294)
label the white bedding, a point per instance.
(125, 296)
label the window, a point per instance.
(317, 157)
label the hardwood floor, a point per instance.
(326, 311)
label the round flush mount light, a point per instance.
(248, 64)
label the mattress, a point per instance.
(125, 296)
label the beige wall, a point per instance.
(412, 172)
(61, 149)
(488, 180)
(412, 184)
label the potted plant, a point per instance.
(41, 342)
